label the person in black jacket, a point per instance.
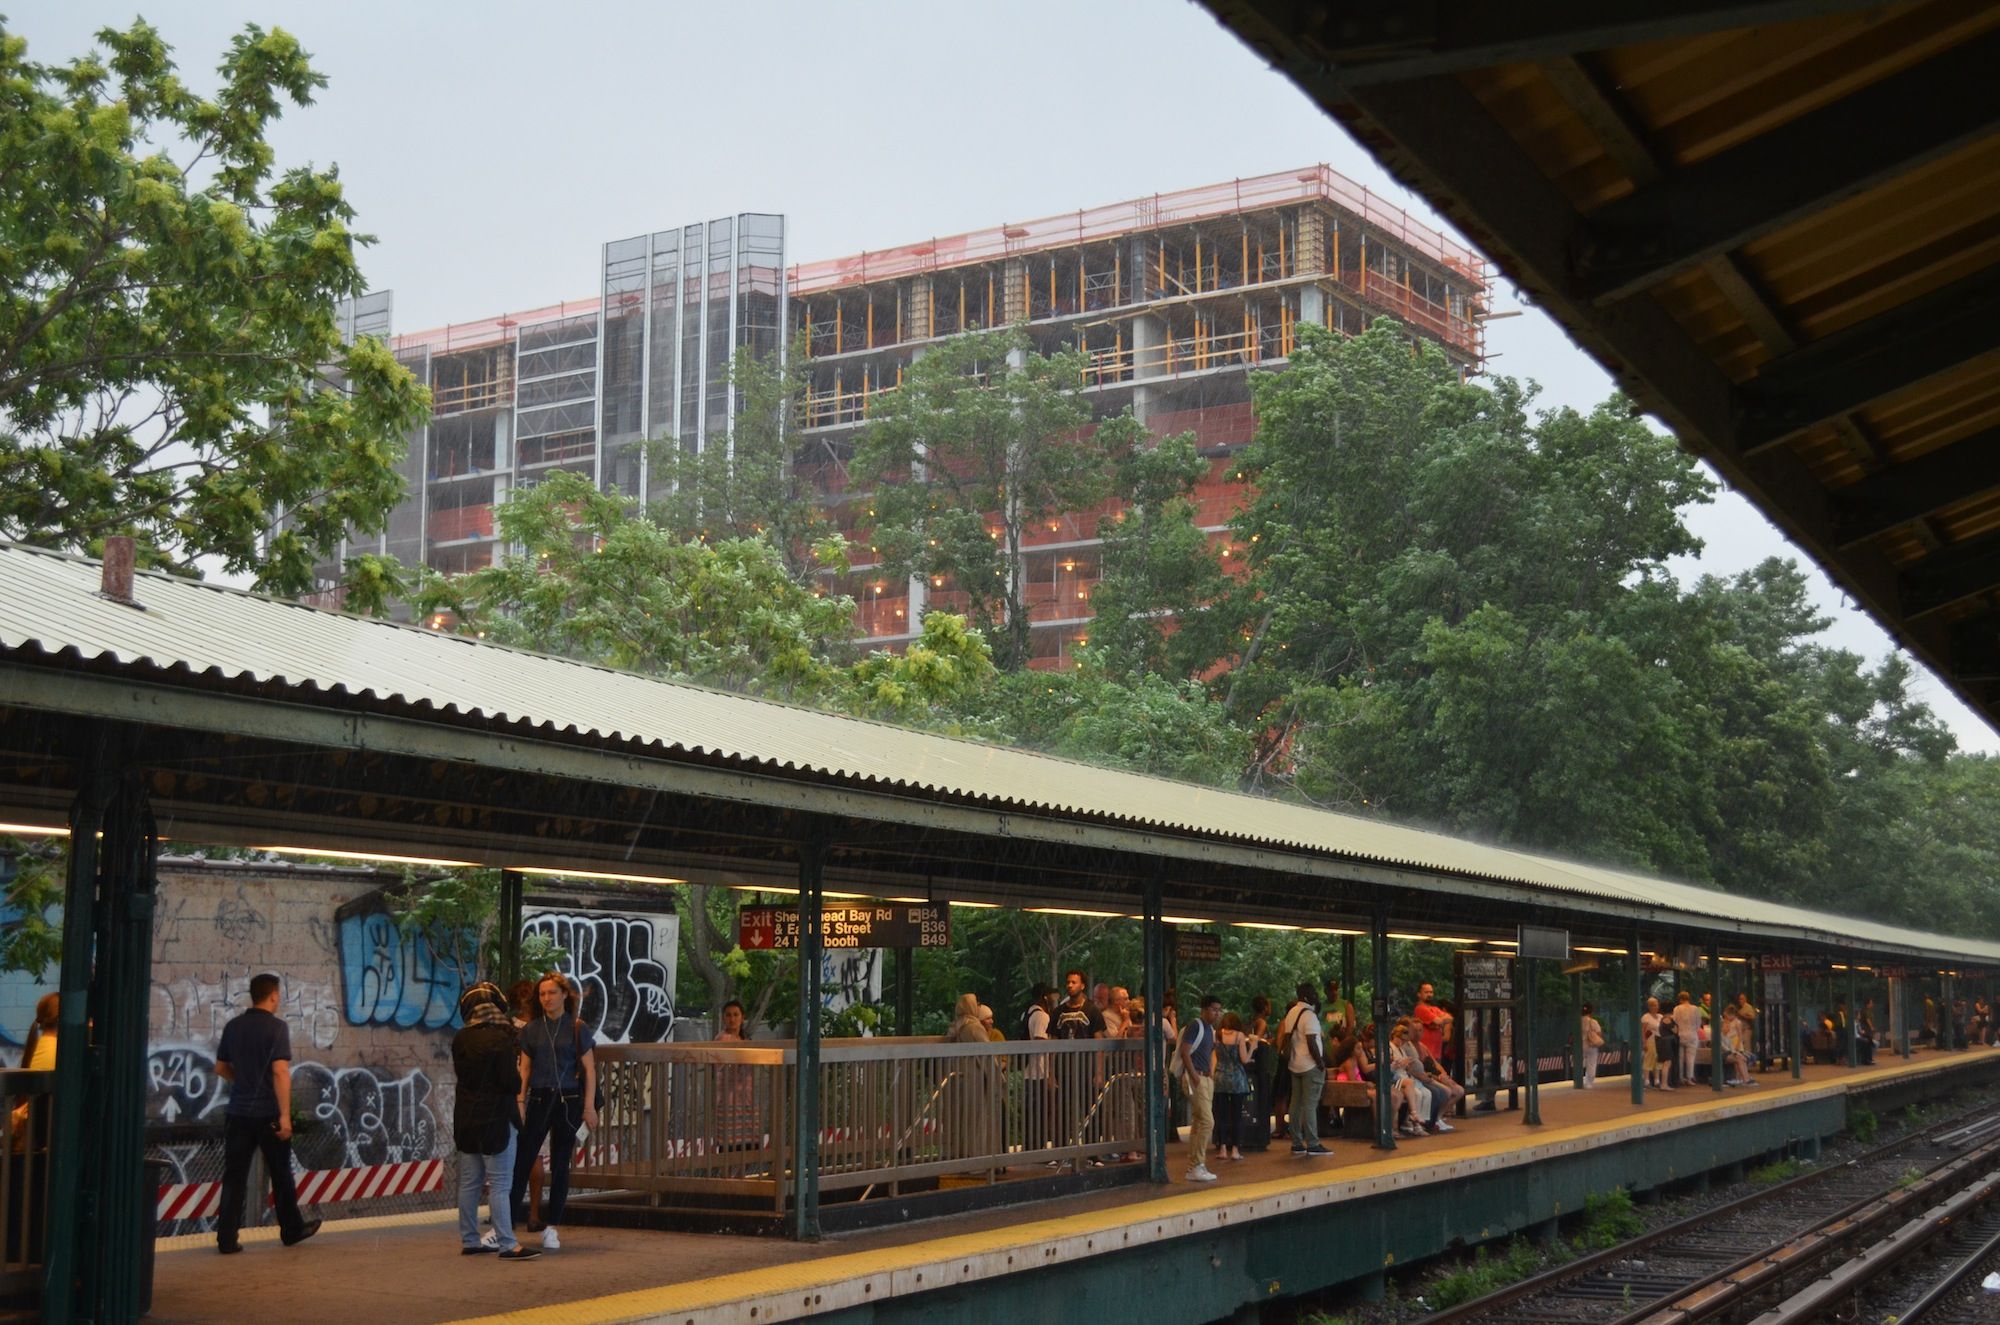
(486, 1054)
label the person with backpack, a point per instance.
(1302, 1048)
(1196, 1063)
(559, 1096)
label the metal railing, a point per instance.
(26, 1106)
(686, 1121)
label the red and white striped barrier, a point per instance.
(200, 1200)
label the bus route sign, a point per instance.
(878, 925)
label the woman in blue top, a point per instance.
(559, 1070)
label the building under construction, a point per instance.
(1174, 299)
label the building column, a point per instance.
(1149, 359)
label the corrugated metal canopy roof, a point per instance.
(206, 637)
(1777, 224)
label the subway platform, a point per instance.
(1272, 1227)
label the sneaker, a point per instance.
(522, 1252)
(550, 1240)
(482, 1249)
(1298, 1149)
(1200, 1173)
(306, 1230)
(1317, 1151)
(228, 1248)
(1445, 1127)
(490, 1240)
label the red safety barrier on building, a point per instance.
(200, 1200)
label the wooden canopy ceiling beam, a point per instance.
(1961, 571)
(1917, 488)
(1869, 360)
(1372, 42)
(1793, 171)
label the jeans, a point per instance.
(496, 1174)
(552, 1118)
(1306, 1088)
(241, 1138)
(1201, 1119)
(1590, 1055)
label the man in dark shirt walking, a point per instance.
(255, 1058)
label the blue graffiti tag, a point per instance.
(390, 978)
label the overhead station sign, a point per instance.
(887, 925)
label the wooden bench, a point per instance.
(1355, 1102)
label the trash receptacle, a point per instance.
(157, 1172)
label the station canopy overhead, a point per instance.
(261, 722)
(1776, 224)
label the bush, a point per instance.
(1610, 1219)
(1770, 1175)
(1483, 1276)
(1862, 1123)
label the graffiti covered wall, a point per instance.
(370, 1021)
(625, 964)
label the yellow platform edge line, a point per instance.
(826, 1273)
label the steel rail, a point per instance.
(1814, 1301)
(1915, 1313)
(1480, 1308)
(1725, 1289)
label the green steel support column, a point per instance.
(511, 887)
(805, 1103)
(1947, 1024)
(1385, 1106)
(1635, 1049)
(1853, 1014)
(1715, 1013)
(1531, 1115)
(1347, 970)
(71, 1241)
(1797, 1014)
(125, 968)
(1153, 944)
(1902, 1018)
(1576, 1030)
(906, 989)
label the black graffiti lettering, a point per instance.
(628, 993)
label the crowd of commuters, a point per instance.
(527, 1088)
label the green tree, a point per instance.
(31, 888)
(984, 440)
(170, 360)
(1163, 605)
(593, 580)
(457, 914)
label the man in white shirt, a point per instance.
(1687, 1027)
(1305, 1054)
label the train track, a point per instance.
(1723, 1261)
(1928, 1272)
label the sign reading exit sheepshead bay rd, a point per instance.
(890, 925)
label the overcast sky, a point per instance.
(492, 147)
